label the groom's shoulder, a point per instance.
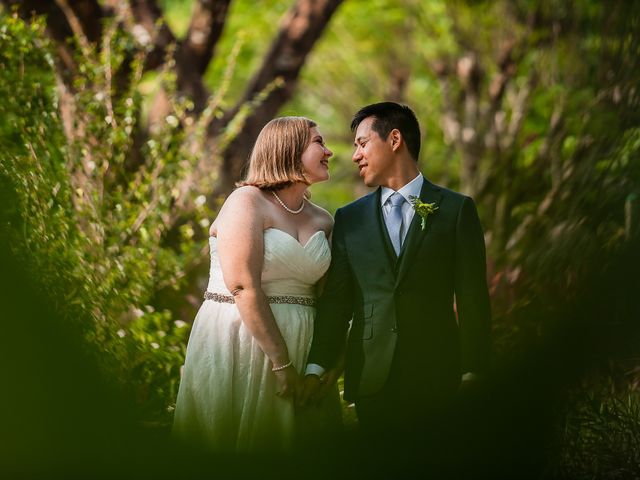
(358, 204)
(450, 194)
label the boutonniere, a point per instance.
(422, 209)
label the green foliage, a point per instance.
(423, 209)
(101, 225)
(599, 438)
(31, 152)
(155, 346)
(109, 226)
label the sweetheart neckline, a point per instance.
(294, 238)
(288, 235)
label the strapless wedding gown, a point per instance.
(227, 398)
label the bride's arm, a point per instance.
(240, 226)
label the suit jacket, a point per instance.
(401, 309)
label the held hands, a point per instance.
(310, 388)
(328, 380)
(469, 385)
(315, 388)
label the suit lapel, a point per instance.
(428, 194)
(374, 236)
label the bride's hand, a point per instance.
(287, 383)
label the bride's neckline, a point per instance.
(288, 235)
(294, 238)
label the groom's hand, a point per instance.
(310, 389)
(328, 381)
(468, 385)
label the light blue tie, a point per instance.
(394, 221)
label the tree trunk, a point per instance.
(275, 80)
(196, 51)
(60, 27)
(300, 30)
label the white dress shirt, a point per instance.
(411, 189)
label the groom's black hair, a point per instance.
(390, 115)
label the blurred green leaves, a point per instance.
(100, 225)
(111, 221)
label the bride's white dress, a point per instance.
(227, 398)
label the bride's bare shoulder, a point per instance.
(247, 193)
(323, 218)
(244, 204)
(244, 198)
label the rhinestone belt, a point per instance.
(306, 301)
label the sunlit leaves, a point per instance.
(89, 213)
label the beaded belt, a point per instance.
(306, 301)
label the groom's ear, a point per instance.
(396, 139)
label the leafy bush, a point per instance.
(599, 438)
(156, 347)
(100, 223)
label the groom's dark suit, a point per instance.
(404, 338)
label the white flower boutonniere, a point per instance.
(422, 209)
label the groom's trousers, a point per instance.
(411, 399)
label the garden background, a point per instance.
(123, 125)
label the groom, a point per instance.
(396, 273)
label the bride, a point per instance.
(250, 339)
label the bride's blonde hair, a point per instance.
(276, 158)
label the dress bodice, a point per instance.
(289, 267)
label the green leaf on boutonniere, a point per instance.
(422, 209)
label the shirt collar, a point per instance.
(412, 188)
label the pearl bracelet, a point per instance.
(282, 367)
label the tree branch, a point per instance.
(506, 69)
(205, 29)
(519, 107)
(301, 28)
(151, 29)
(87, 16)
(450, 119)
(196, 50)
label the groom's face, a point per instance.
(373, 155)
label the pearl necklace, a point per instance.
(295, 212)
